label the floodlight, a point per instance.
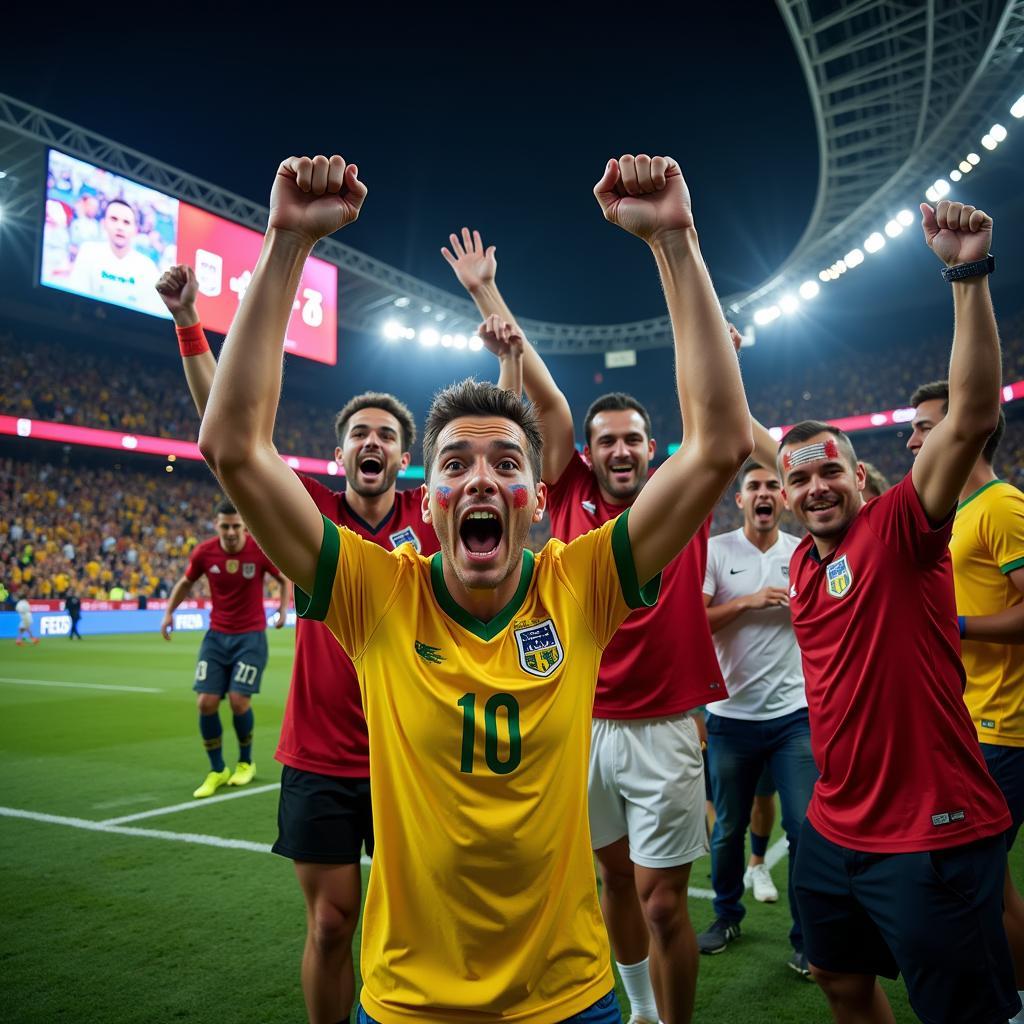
(874, 242)
(965, 166)
(446, 340)
(459, 341)
(402, 301)
(393, 330)
(988, 142)
(941, 186)
(973, 159)
(905, 217)
(854, 258)
(429, 337)
(998, 132)
(475, 344)
(894, 228)
(767, 315)
(809, 289)
(788, 304)
(1018, 108)
(824, 275)
(410, 333)
(931, 195)
(841, 266)
(955, 175)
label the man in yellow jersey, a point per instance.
(478, 666)
(988, 573)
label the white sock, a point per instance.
(1019, 1019)
(636, 980)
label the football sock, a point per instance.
(758, 844)
(636, 980)
(243, 730)
(210, 730)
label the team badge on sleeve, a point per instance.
(249, 570)
(540, 650)
(839, 577)
(231, 565)
(406, 536)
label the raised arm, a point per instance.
(311, 198)
(178, 288)
(503, 340)
(476, 268)
(649, 198)
(766, 448)
(960, 234)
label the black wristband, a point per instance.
(979, 268)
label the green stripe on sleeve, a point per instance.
(635, 595)
(315, 606)
(1017, 563)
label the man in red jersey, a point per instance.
(324, 816)
(646, 790)
(901, 857)
(233, 653)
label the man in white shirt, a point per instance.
(24, 610)
(113, 270)
(764, 720)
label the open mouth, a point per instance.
(764, 509)
(820, 507)
(371, 467)
(621, 471)
(481, 534)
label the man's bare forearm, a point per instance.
(975, 367)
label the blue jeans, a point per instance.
(738, 751)
(604, 1011)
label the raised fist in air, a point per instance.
(645, 196)
(314, 197)
(956, 233)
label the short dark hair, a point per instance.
(806, 429)
(377, 400)
(225, 507)
(614, 401)
(480, 398)
(122, 202)
(939, 389)
(748, 467)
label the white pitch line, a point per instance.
(191, 804)
(775, 853)
(78, 686)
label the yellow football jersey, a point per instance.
(988, 543)
(482, 903)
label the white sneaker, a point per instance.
(759, 879)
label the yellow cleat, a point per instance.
(212, 783)
(244, 774)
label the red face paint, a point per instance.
(520, 496)
(443, 495)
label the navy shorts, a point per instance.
(1006, 766)
(231, 661)
(936, 917)
(604, 1011)
(323, 819)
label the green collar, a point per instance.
(984, 487)
(484, 630)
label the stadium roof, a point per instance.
(898, 90)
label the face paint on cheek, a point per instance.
(443, 496)
(520, 496)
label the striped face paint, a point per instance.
(443, 496)
(520, 496)
(820, 451)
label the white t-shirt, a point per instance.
(757, 651)
(23, 608)
(127, 281)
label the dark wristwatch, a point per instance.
(976, 269)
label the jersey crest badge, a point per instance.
(249, 570)
(406, 536)
(540, 650)
(589, 506)
(231, 565)
(839, 577)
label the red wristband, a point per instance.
(192, 340)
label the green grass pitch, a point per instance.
(127, 927)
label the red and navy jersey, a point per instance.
(236, 584)
(661, 660)
(901, 768)
(324, 729)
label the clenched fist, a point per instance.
(956, 233)
(645, 196)
(314, 197)
(178, 288)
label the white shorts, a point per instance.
(647, 783)
(26, 621)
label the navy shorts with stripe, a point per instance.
(231, 661)
(936, 917)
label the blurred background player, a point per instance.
(24, 610)
(875, 483)
(73, 606)
(988, 573)
(233, 653)
(763, 724)
(902, 854)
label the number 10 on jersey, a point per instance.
(500, 701)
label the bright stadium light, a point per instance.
(824, 276)
(966, 166)
(429, 337)
(894, 228)
(973, 159)
(955, 175)
(809, 289)
(854, 258)
(874, 242)
(833, 274)
(767, 315)
(988, 142)
(941, 186)
(475, 344)
(841, 266)
(393, 330)
(460, 341)
(905, 217)
(931, 195)
(402, 301)
(998, 132)
(1018, 108)
(410, 333)
(788, 304)
(446, 340)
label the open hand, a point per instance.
(645, 196)
(314, 197)
(956, 233)
(474, 265)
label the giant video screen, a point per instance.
(109, 238)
